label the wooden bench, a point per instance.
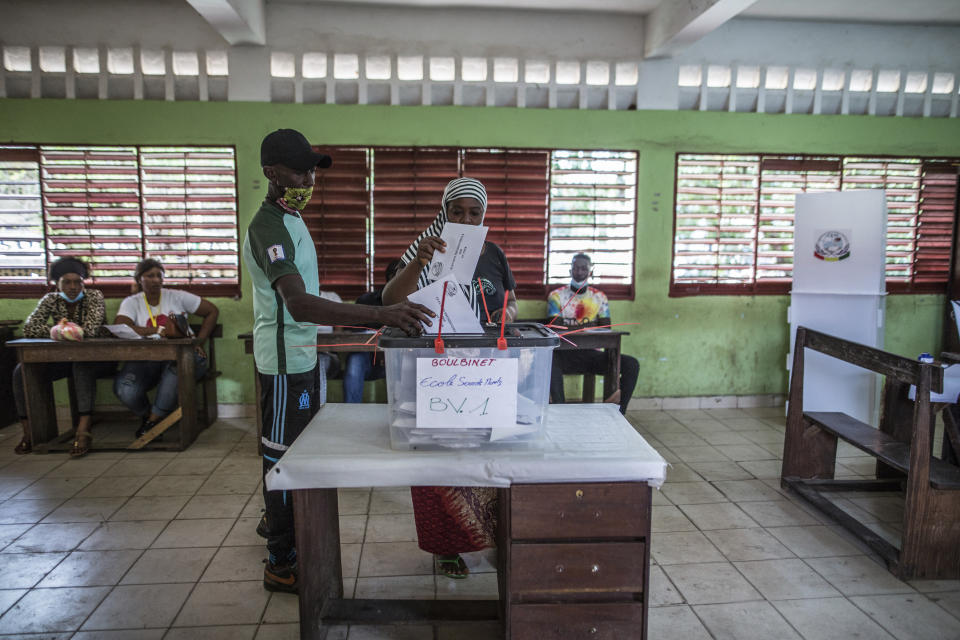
(930, 546)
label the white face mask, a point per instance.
(577, 285)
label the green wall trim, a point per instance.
(707, 345)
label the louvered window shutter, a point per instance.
(190, 216)
(715, 224)
(337, 217)
(781, 179)
(937, 212)
(23, 264)
(91, 199)
(408, 187)
(900, 178)
(518, 192)
(593, 200)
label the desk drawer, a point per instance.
(538, 570)
(574, 621)
(587, 510)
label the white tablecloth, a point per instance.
(348, 445)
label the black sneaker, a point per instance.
(280, 577)
(146, 425)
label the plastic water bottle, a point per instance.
(925, 358)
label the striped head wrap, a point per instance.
(459, 188)
(465, 188)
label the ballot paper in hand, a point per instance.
(123, 331)
(464, 244)
(458, 317)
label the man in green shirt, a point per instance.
(281, 259)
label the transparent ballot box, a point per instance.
(473, 395)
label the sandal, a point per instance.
(452, 566)
(81, 446)
(24, 447)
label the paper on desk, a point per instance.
(464, 244)
(123, 331)
(458, 317)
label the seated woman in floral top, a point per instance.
(84, 307)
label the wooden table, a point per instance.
(41, 411)
(573, 538)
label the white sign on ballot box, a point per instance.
(455, 392)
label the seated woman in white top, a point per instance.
(151, 313)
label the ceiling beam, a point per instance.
(676, 24)
(238, 21)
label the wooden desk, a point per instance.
(573, 538)
(609, 341)
(40, 402)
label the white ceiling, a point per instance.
(600, 6)
(888, 11)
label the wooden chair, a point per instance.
(930, 545)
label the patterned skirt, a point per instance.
(455, 519)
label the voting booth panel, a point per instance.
(839, 287)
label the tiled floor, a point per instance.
(162, 545)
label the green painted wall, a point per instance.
(708, 345)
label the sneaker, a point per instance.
(146, 425)
(280, 577)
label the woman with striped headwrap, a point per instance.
(464, 202)
(455, 520)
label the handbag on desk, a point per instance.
(182, 323)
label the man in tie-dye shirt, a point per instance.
(579, 304)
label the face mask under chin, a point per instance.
(574, 284)
(297, 197)
(71, 300)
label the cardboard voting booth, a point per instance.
(839, 287)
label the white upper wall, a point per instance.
(473, 32)
(149, 23)
(359, 28)
(376, 29)
(365, 29)
(826, 44)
